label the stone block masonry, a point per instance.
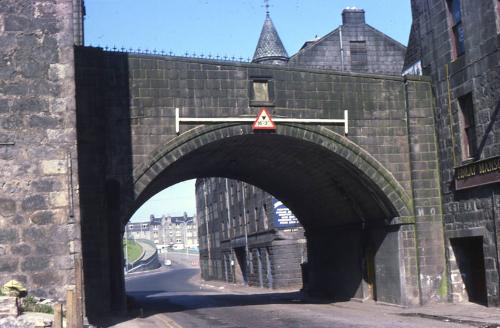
(8, 306)
(126, 111)
(39, 232)
(470, 214)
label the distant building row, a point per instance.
(176, 232)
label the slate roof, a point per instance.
(385, 55)
(269, 45)
(181, 219)
(155, 221)
(136, 227)
(414, 52)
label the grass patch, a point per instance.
(29, 304)
(134, 250)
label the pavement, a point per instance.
(457, 315)
(148, 249)
(468, 314)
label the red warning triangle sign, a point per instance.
(264, 121)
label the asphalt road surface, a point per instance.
(174, 297)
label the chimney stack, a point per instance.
(353, 16)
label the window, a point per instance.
(359, 56)
(260, 91)
(265, 219)
(250, 261)
(232, 194)
(497, 10)
(234, 226)
(217, 239)
(246, 219)
(256, 219)
(456, 28)
(467, 126)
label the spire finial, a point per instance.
(266, 4)
(270, 49)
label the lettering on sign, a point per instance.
(478, 173)
(264, 121)
(283, 216)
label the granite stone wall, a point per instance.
(134, 99)
(472, 212)
(39, 206)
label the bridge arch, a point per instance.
(350, 205)
(154, 174)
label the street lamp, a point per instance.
(245, 222)
(185, 237)
(126, 248)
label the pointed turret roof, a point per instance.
(270, 49)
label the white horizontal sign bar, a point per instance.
(179, 120)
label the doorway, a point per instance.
(470, 261)
(241, 268)
(369, 271)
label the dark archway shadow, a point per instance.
(144, 304)
(103, 125)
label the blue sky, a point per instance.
(225, 28)
(229, 27)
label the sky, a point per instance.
(224, 28)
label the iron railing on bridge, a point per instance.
(170, 53)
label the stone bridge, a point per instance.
(376, 188)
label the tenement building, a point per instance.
(245, 235)
(177, 232)
(456, 43)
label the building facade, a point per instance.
(247, 236)
(456, 42)
(178, 232)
